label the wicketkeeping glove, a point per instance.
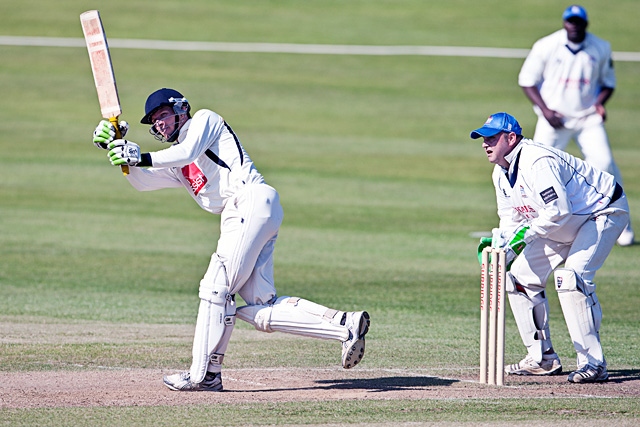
(123, 152)
(495, 241)
(105, 133)
(485, 242)
(516, 244)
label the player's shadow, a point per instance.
(370, 384)
(385, 383)
(622, 375)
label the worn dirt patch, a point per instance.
(143, 387)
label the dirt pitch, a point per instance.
(141, 387)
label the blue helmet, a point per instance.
(164, 98)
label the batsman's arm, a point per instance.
(114, 122)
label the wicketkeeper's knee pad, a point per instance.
(582, 313)
(296, 316)
(215, 322)
(531, 313)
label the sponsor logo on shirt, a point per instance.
(549, 195)
(575, 83)
(195, 176)
(525, 210)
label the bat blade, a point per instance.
(101, 66)
(102, 69)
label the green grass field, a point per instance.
(380, 183)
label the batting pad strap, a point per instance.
(541, 334)
(215, 294)
(330, 314)
(216, 359)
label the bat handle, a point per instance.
(114, 122)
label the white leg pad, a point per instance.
(215, 322)
(296, 316)
(531, 313)
(583, 315)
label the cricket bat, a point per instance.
(102, 68)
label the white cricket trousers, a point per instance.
(249, 226)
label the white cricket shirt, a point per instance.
(544, 187)
(569, 79)
(207, 159)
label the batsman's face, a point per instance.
(497, 147)
(164, 121)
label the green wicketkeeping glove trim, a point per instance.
(485, 242)
(517, 243)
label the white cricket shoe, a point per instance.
(182, 382)
(627, 238)
(528, 366)
(589, 374)
(353, 348)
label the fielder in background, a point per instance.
(553, 208)
(569, 76)
(208, 160)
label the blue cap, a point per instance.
(575, 11)
(496, 123)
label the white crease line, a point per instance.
(318, 49)
(227, 378)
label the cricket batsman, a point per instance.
(207, 159)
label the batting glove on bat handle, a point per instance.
(124, 153)
(105, 133)
(120, 134)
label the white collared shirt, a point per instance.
(207, 159)
(544, 187)
(569, 79)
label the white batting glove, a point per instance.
(105, 133)
(123, 152)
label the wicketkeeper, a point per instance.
(553, 208)
(207, 159)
